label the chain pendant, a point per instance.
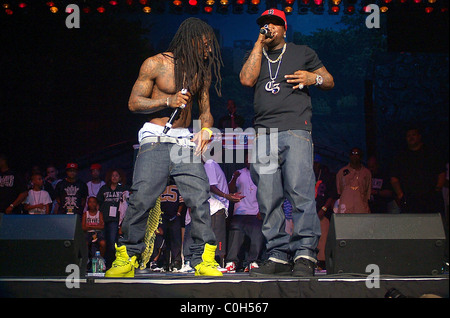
(272, 87)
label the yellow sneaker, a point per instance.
(123, 265)
(209, 265)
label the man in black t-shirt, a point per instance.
(418, 176)
(71, 192)
(282, 165)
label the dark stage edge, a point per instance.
(239, 285)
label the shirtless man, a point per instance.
(188, 64)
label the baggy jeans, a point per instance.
(282, 167)
(155, 162)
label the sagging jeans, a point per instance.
(286, 172)
(152, 169)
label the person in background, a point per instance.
(38, 200)
(418, 176)
(109, 197)
(232, 120)
(71, 192)
(95, 183)
(219, 204)
(245, 221)
(354, 185)
(92, 224)
(13, 188)
(381, 195)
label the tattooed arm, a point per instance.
(250, 71)
(142, 100)
(206, 119)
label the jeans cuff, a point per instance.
(310, 258)
(277, 260)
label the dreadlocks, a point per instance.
(187, 46)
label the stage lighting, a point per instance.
(303, 6)
(238, 6)
(208, 7)
(54, 9)
(113, 2)
(146, 9)
(317, 6)
(253, 6)
(223, 6)
(333, 7)
(349, 6)
(193, 7)
(287, 6)
(22, 5)
(101, 9)
(177, 7)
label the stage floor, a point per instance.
(239, 285)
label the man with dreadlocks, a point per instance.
(160, 88)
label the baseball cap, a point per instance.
(272, 15)
(96, 166)
(71, 165)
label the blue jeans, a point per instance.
(282, 167)
(152, 169)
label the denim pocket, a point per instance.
(295, 133)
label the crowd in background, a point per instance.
(417, 182)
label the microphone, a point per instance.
(174, 115)
(266, 32)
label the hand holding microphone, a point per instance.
(265, 30)
(181, 99)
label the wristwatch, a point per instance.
(319, 80)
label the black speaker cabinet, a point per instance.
(399, 244)
(41, 245)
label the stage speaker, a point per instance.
(41, 245)
(399, 244)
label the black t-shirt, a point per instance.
(289, 108)
(11, 185)
(418, 170)
(71, 195)
(109, 201)
(170, 202)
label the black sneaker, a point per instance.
(271, 268)
(303, 267)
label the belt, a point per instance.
(183, 142)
